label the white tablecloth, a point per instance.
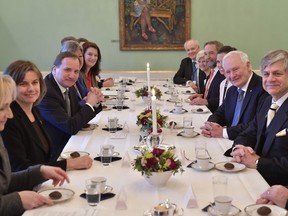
(244, 186)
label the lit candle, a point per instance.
(148, 76)
(154, 115)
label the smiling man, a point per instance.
(62, 114)
(231, 118)
(263, 145)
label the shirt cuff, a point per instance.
(91, 106)
(225, 134)
(187, 82)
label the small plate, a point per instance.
(89, 127)
(233, 211)
(173, 100)
(251, 210)
(195, 166)
(197, 111)
(182, 112)
(66, 155)
(187, 93)
(237, 167)
(177, 126)
(66, 193)
(106, 108)
(188, 136)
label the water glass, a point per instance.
(188, 126)
(112, 124)
(93, 192)
(106, 153)
(221, 198)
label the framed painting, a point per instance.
(154, 24)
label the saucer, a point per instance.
(172, 100)
(251, 210)
(233, 211)
(66, 194)
(195, 166)
(89, 127)
(200, 110)
(188, 136)
(182, 112)
(187, 93)
(237, 167)
(66, 155)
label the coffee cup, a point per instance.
(222, 204)
(160, 211)
(101, 181)
(202, 158)
(178, 108)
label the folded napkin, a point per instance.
(114, 158)
(107, 129)
(190, 199)
(126, 162)
(282, 132)
(104, 196)
(121, 200)
(124, 107)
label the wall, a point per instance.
(32, 29)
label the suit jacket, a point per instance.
(185, 73)
(11, 183)
(273, 151)
(58, 124)
(254, 97)
(23, 143)
(213, 92)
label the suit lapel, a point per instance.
(274, 127)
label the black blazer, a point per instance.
(184, 74)
(273, 150)
(254, 98)
(22, 142)
(213, 92)
(58, 124)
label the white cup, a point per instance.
(202, 158)
(222, 204)
(101, 181)
(188, 126)
(178, 108)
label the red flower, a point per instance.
(151, 162)
(157, 151)
(173, 164)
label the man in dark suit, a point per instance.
(210, 98)
(188, 74)
(263, 145)
(63, 118)
(239, 73)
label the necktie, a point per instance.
(208, 83)
(271, 113)
(67, 101)
(194, 71)
(238, 107)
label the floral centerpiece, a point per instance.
(158, 161)
(143, 92)
(144, 119)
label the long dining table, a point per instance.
(133, 194)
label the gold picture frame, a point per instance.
(169, 18)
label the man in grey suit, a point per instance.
(64, 118)
(263, 145)
(220, 124)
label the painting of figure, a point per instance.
(154, 24)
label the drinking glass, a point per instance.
(93, 192)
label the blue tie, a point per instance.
(238, 107)
(194, 71)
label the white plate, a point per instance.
(66, 193)
(66, 155)
(233, 211)
(177, 126)
(251, 210)
(196, 167)
(189, 136)
(172, 100)
(237, 167)
(187, 93)
(106, 108)
(205, 110)
(182, 112)
(90, 127)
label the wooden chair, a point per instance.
(162, 10)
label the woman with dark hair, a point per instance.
(24, 136)
(90, 71)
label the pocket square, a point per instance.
(282, 132)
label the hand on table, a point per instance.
(277, 194)
(245, 155)
(84, 162)
(212, 129)
(94, 96)
(32, 199)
